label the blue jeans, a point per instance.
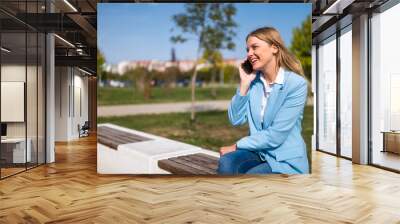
(242, 162)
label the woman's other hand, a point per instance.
(226, 149)
(245, 80)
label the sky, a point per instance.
(142, 31)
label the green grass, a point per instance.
(211, 129)
(116, 96)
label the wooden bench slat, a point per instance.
(198, 163)
(112, 137)
(207, 156)
(107, 142)
(206, 159)
(111, 131)
(176, 168)
(189, 163)
(116, 139)
(121, 134)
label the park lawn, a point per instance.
(117, 96)
(211, 129)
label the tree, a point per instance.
(301, 45)
(212, 25)
(231, 74)
(100, 64)
(141, 77)
(214, 57)
(170, 76)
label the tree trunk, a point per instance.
(193, 83)
(213, 83)
(221, 75)
(147, 90)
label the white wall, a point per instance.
(14, 73)
(12, 101)
(71, 87)
(33, 126)
(62, 80)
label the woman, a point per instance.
(271, 100)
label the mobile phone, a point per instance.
(247, 67)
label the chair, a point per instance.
(84, 130)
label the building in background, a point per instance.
(183, 65)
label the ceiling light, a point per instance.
(5, 49)
(65, 41)
(86, 72)
(331, 7)
(337, 7)
(79, 51)
(71, 6)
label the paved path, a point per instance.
(159, 108)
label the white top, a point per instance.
(268, 89)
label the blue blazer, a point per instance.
(277, 137)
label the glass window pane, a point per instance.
(385, 86)
(22, 87)
(327, 95)
(41, 98)
(31, 97)
(13, 86)
(346, 93)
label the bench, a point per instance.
(112, 137)
(126, 151)
(196, 164)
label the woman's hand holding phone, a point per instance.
(247, 75)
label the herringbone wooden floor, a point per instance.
(70, 191)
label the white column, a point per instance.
(313, 92)
(63, 103)
(50, 92)
(360, 90)
(50, 101)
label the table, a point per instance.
(13, 150)
(391, 141)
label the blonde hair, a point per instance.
(283, 58)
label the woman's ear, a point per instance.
(275, 49)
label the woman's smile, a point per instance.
(253, 61)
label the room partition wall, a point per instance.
(22, 77)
